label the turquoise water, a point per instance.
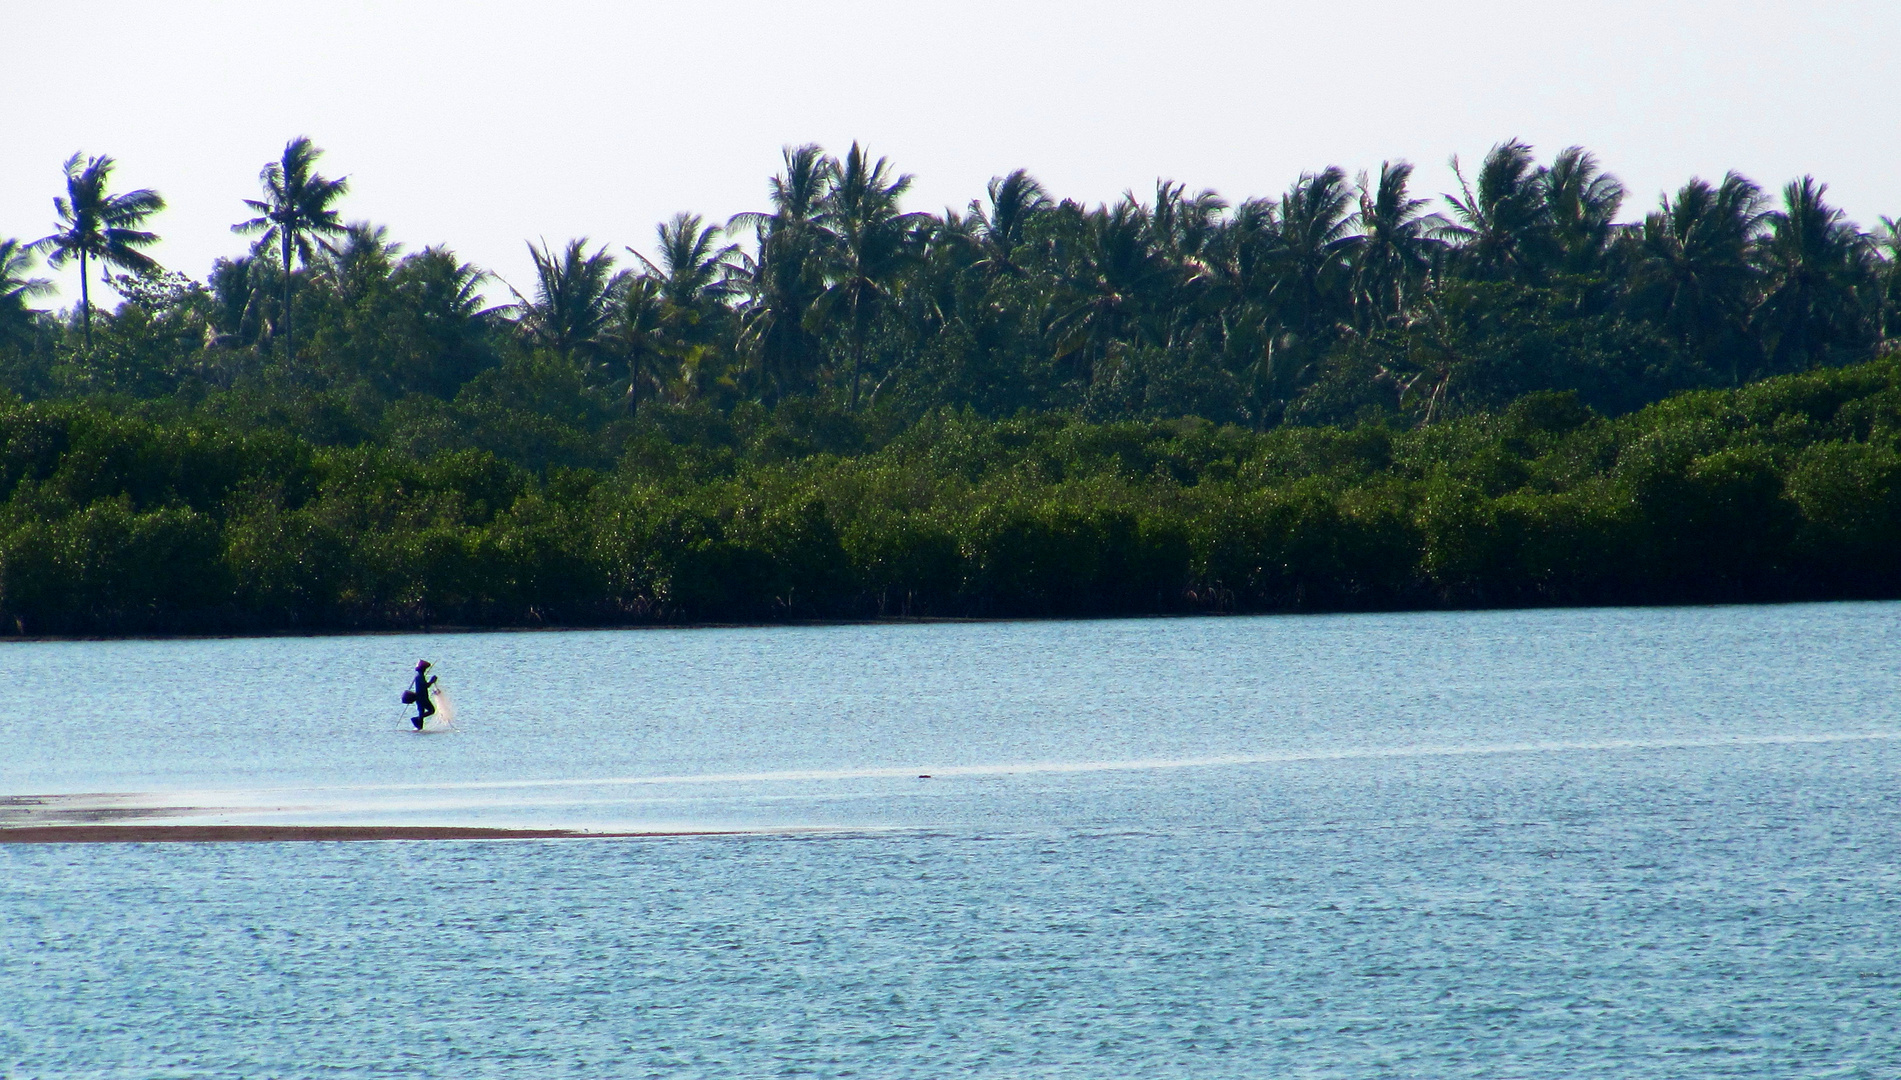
(1658, 843)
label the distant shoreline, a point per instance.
(918, 620)
(566, 628)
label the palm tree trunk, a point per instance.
(85, 299)
(857, 361)
(857, 349)
(290, 351)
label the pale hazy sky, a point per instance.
(483, 123)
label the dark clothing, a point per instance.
(424, 707)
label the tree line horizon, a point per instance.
(1336, 296)
(1331, 399)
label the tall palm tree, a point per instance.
(796, 194)
(783, 278)
(1183, 229)
(692, 269)
(295, 208)
(1504, 226)
(1184, 224)
(999, 228)
(1814, 260)
(1399, 245)
(1240, 255)
(669, 317)
(1581, 202)
(574, 298)
(1694, 273)
(95, 225)
(1317, 239)
(868, 241)
(638, 333)
(1241, 262)
(1114, 278)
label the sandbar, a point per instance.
(218, 834)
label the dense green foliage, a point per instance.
(1329, 400)
(1783, 489)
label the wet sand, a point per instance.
(216, 834)
(145, 818)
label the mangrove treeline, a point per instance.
(1787, 488)
(834, 407)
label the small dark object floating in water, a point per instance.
(924, 776)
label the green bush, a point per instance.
(121, 521)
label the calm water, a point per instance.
(1655, 843)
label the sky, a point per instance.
(483, 124)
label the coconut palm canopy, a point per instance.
(96, 226)
(295, 216)
(1345, 295)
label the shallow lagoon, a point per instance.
(1636, 843)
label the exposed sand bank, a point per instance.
(153, 818)
(213, 834)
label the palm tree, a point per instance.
(95, 225)
(1888, 281)
(1240, 266)
(1272, 377)
(637, 332)
(1240, 255)
(366, 256)
(1581, 202)
(998, 230)
(796, 194)
(295, 207)
(1183, 229)
(15, 287)
(867, 242)
(443, 291)
(674, 313)
(1504, 227)
(445, 323)
(1815, 260)
(1399, 245)
(1182, 224)
(1424, 372)
(1317, 239)
(692, 271)
(781, 281)
(1114, 270)
(1694, 273)
(574, 298)
(241, 289)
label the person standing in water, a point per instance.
(425, 708)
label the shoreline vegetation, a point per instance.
(836, 410)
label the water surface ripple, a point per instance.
(1657, 843)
